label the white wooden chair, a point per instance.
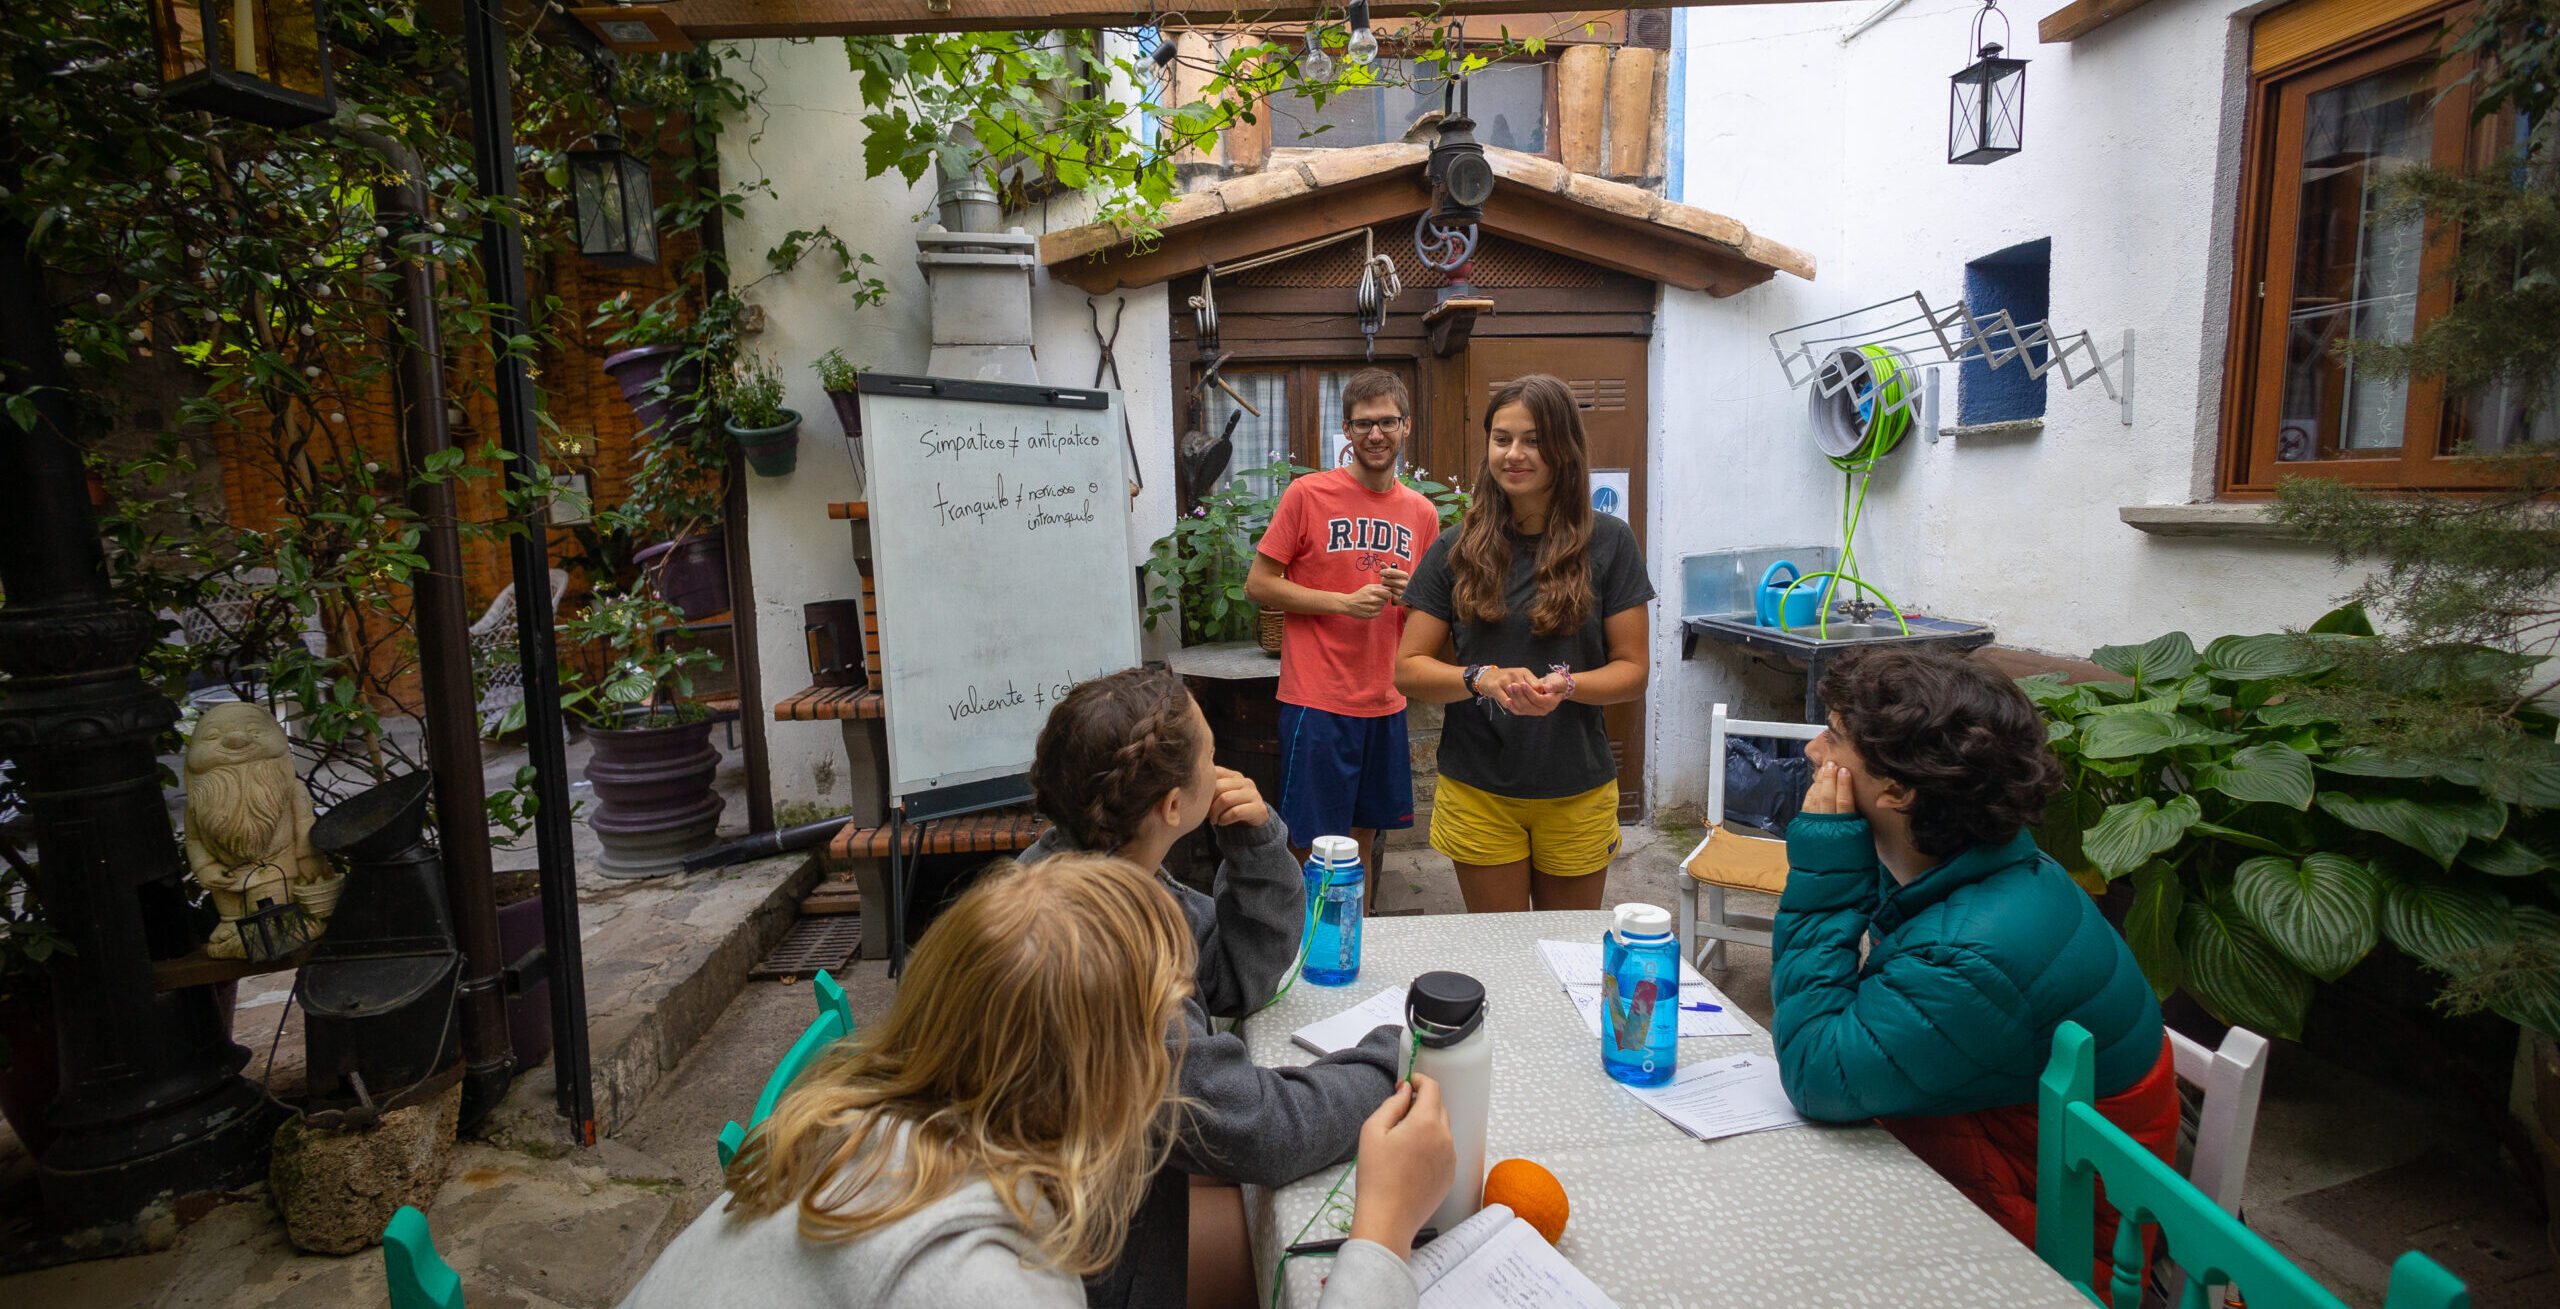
(2231, 1076)
(1715, 925)
(495, 669)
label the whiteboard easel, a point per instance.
(1000, 547)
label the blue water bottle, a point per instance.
(1640, 997)
(1336, 887)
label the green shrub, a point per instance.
(2268, 855)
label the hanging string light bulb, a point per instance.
(1315, 65)
(1363, 50)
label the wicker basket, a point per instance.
(1267, 629)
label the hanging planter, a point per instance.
(769, 433)
(771, 451)
(843, 383)
(691, 573)
(639, 372)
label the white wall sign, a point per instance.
(1609, 494)
(999, 537)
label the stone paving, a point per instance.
(2345, 1174)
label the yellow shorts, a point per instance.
(1571, 837)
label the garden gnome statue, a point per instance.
(249, 824)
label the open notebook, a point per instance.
(1495, 1259)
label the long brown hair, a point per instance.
(1026, 1046)
(1112, 748)
(1480, 561)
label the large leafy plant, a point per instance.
(2268, 855)
(1200, 566)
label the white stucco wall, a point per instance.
(2131, 153)
(2132, 135)
(810, 109)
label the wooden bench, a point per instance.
(830, 703)
(996, 831)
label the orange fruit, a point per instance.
(1531, 1192)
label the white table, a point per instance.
(1801, 1217)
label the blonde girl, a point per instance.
(987, 1142)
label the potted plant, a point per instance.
(680, 478)
(751, 396)
(657, 373)
(1199, 568)
(653, 761)
(2270, 851)
(842, 381)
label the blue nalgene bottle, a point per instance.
(1336, 886)
(1640, 997)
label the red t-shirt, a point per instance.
(1333, 534)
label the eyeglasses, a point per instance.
(1364, 426)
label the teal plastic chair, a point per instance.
(833, 1023)
(2076, 1147)
(419, 1277)
(831, 998)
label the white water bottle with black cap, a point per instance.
(1445, 1014)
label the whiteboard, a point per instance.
(1000, 562)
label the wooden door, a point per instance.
(1607, 374)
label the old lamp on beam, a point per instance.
(1987, 102)
(261, 61)
(1447, 235)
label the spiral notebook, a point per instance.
(1496, 1259)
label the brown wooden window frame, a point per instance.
(1302, 389)
(2262, 293)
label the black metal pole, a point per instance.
(152, 1105)
(744, 656)
(451, 714)
(502, 262)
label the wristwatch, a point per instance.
(1473, 672)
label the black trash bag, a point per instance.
(1765, 781)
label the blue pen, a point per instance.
(1703, 1007)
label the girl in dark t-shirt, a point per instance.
(1544, 601)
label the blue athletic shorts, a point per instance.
(1338, 772)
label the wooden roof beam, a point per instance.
(2081, 17)
(738, 20)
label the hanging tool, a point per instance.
(1204, 311)
(1209, 378)
(1108, 364)
(1204, 460)
(1379, 284)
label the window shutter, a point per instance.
(2309, 26)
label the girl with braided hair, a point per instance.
(1125, 766)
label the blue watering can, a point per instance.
(1800, 609)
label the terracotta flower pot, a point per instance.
(654, 802)
(771, 451)
(638, 372)
(692, 574)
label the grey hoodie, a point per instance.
(963, 1251)
(1259, 1126)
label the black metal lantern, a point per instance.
(1987, 102)
(617, 211)
(263, 61)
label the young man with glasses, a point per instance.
(1340, 548)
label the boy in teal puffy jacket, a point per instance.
(1914, 835)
